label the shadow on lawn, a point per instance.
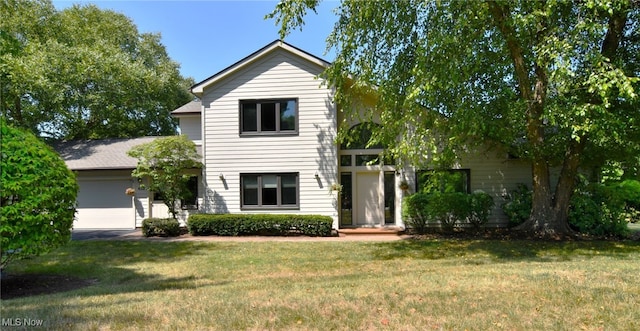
(503, 250)
(100, 268)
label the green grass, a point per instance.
(402, 285)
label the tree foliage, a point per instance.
(553, 82)
(37, 196)
(164, 162)
(85, 73)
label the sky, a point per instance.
(205, 37)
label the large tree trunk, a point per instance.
(567, 180)
(543, 220)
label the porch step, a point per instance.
(370, 231)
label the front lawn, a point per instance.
(400, 285)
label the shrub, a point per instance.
(446, 209)
(161, 227)
(480, 204)
(598, 210)
(415, 213)
(518, 205)
(37, 194)
(259, 224)
(630, 193)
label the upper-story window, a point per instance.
(268, 117)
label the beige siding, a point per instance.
(191, 126)
(279, 74)
(494, 173)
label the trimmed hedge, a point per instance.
(161, 227)
(446, 210)
(259, 224)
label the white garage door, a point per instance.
(103, 204)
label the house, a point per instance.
(266, 128)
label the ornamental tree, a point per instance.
(37, 196)
(552, 82)
(164, 162)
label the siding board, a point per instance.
(276, 75)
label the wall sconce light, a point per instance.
(317, 175)
(221, 176)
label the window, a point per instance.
(389, 197)
(359, 137)
(447, 181)
(265, 117)
(190, 200)
(157, 196)
(346, 199)
(269, 191)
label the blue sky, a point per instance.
(205, 37)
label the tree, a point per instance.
(85, 73)
(164, 161)
(553, 82)
(37, 196)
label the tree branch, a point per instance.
(611, 41)
(499, 13)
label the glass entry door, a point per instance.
(368, 198)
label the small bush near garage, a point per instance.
(259, 224)
(160, 227)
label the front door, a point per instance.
(369, 207)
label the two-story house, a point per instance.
(266, 128)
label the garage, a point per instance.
(103, 170)
(103, 204)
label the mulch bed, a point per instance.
(17, 286)
(509, 234)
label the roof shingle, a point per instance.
(100, 154)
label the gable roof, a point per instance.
(198, 88)
(193, 107)
(103, 154)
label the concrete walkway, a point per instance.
(109, 234)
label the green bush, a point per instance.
(259, 224)
(480, 204)
(598, 210)
(415, 213)
(629, 191)
(160, 227)
(37, 196)
(518, 205)
(446, 210)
